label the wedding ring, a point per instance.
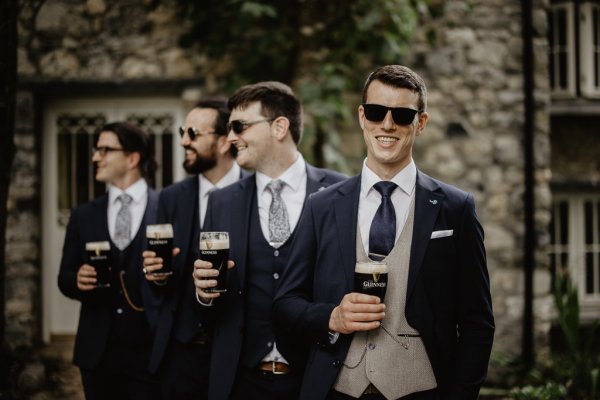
(145, 271)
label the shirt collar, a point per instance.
(405, 179)
(137, 191)
(230, 177)
(292, 177)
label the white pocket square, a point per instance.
(439, 234)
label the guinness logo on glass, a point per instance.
(376, 276)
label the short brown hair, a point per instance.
(276, 99)
(398, 76)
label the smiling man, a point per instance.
(113, 340)
(432, 335)
(249, 359)
(181, 351)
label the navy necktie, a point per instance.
(382, 235)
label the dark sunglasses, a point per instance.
(400, 115)
(102, 150)
(238, 126)
(192, 132)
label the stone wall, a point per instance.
(469, 55)
(471, 59)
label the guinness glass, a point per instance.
(214, 248)
(98, 254)
(371, 278)
(160, 241)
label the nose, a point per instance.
(388, 121)
(231, 137)
(184, 140)
(95, 156)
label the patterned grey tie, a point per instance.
(123, 224)
(279, 224)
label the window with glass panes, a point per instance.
(575, 245)
(561, 37)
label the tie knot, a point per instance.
(275, 187)
(125, 199)
(385, 188)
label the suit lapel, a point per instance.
(100, 218)
(346, 215)
(244, 197)
(314, 177)
(428, 202)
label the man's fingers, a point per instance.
(148, 254)
(362, 298)
(363, 326)
(230, 264)
(176, 250)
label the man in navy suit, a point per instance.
(181, 350)
(249, 359)
(113, 340)
(432, 335)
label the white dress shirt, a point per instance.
(205, 187)
(139, 193)
(293, 195)
(370, 199)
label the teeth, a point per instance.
(387, 139)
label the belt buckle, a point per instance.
(274, 369)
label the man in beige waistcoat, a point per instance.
(432, 335)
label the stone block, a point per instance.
(32, 378)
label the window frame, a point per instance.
(570, 90)
(587, 69)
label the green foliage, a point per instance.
(323, 49)
(574, 372)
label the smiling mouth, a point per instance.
(386, 139)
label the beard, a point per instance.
(200, 164)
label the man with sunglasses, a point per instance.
(249, 359)
(113, 341)
(181, 348)
(432, 335)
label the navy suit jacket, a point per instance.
(177, 205)
(448, 297)
(229, 210)
(88, 223)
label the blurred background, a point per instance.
(514, 105)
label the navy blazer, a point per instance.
(230, 210)
(177, 205)
(448, 297)
(88, 223)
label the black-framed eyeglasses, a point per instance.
(192, 132)
(102, 150)
(238, 126)
(400, 115)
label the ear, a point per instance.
(223, 145)
(423, 117)
(280, 127)
(361, 116)
(134, 160)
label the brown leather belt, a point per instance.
(274, 367)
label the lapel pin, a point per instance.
(434, 202)
(321, 188)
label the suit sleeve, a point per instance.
(72, 260)
(294, 307)
(475, 317)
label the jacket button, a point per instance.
(276, 253)
(119, 311)
(240, 292)
(336, 363)
(276, 276)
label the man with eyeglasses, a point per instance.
(432, 335)
(249, 359)
(113, 341)
(181, 350)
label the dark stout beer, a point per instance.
(160, 241)
(371, 278)
(98, 254)
(214, 248)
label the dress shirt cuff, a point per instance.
(333, 337)
(203, 303)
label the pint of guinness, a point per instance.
(214, 248)
(160, 241)
(98, 254)
(371, 278)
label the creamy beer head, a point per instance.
(160, 231)
(97, 246)
(371, 267)
(214, 240)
